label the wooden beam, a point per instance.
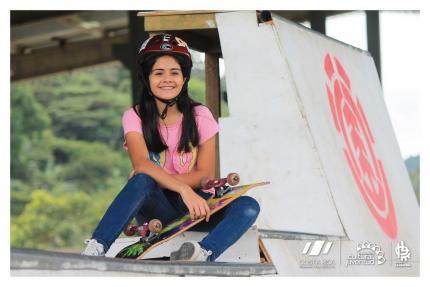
(177, 12)
(212, 81)
(317, 19)
(175, 22)
(373, 39)
(70, 56)
(137, 34)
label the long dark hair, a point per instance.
(146, 107)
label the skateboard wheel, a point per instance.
(155, 225)
(130, 230)
(233, 178)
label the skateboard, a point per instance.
(152, 236)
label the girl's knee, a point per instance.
(141, 177)
(142, 181)
(249, 206)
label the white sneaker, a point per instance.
(93, 248)
(190, 251)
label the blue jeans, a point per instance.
(142, 198)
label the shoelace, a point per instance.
(91, 246)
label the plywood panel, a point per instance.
(266, 136)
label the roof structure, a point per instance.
(45, 42)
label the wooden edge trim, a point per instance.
(267, 259)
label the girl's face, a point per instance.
(166, 79)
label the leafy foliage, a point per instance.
(53, 221)
(415, 177)
(197, 90)
(30, 126)
(413, 166)
(67, 161)
(88, 165)
(85, 105)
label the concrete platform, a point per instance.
(29, 262)
(245, 250)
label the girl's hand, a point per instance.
(197, 206)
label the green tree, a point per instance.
(196, 89)
(415, 178)
(53, 222)
(20, 196)
(85, 107)
(30, 134)
(89, 166)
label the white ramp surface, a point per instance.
(308, 114)
(266, 136)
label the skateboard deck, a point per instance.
(182, 224)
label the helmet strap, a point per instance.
(168, 103)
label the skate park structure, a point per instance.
(308, 115)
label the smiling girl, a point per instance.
(171, 143)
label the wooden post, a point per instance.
(373, 39)
(212, 82)
(137, 35)
(317, 19)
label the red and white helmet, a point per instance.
(163, 43)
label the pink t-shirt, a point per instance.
(169, 159)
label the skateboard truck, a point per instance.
(146, 231)
(222, 185)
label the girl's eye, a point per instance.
(161, 73)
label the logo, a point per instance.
(166, 47)
(367, 254)
(314, 249)
(358, 146)
(403, 255)
(317, 248)
(181, 42)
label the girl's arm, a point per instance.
(205, 165)
(139, 157)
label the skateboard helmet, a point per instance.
(166, 44)
(163, 43)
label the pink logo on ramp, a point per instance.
(351, 124)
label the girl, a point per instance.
(171, 143)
